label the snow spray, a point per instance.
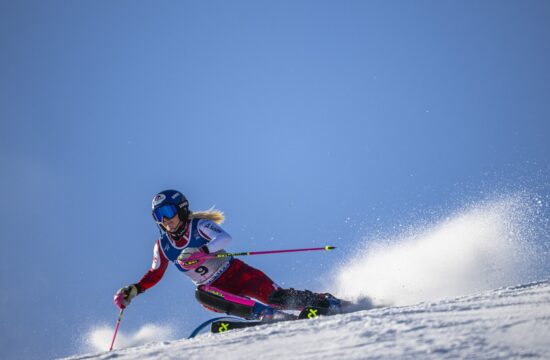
(483, 246)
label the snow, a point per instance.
(100, 338)
(436, 283)
(484, 246)
(510, 322)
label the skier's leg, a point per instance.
(222, 301)
(244, 280)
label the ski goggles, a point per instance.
(166, 211)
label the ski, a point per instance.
(221, 326)
(224, 325)
(228, 323)
(314, 312)
(210, 321)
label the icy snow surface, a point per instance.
(511, 322)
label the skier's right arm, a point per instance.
(124, 296)
(158, 268)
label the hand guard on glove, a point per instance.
(124, 296)
(192, 258)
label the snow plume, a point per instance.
(99, 338)
(486, 245)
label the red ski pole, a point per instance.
(248, 253)
(116, 328)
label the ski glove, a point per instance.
(124, 296)
(192, 258)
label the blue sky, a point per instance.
(307, 122)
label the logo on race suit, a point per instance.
(158, 199)
(213, 227)
(156, 259)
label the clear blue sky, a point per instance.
(303, 120)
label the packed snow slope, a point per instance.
(485, 245)
(511, 322)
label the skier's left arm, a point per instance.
(217, 237)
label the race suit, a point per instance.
(226, 273)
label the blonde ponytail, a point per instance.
(215, 215)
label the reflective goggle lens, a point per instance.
(167, 211)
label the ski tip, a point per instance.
(327, 248)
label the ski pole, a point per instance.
(116, 328)
(248, 253)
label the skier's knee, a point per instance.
(220, 301)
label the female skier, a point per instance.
(224, 284)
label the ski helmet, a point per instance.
(168, 203)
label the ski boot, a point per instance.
(312, 312)
(293, 299)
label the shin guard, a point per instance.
(231, 304)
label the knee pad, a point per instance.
(221, 301)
